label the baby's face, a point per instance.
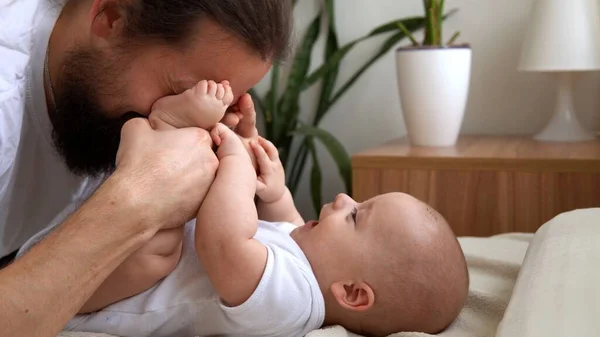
(347, 233)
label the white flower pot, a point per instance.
(433, 84)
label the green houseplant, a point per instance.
(280, 107)
(438, 67)
(433, 35)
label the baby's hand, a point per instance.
(270, 186)
(229, 144)
(201, 106)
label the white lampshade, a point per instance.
(562, 35)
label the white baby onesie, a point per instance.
(286, 303)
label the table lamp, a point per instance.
(563, 37)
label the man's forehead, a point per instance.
(183, 83)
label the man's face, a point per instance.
(99, 89)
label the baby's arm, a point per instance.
(275, 202)
(282, 209)
(200, 106)
(227, 222)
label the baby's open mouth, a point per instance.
(311, 224)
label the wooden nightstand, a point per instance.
(486, 185)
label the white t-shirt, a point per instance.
(35, 185)
(287, 302)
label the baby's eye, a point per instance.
(353, 214)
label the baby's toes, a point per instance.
(201, 88)
(220, 91)
(228, 96)
(212, 88)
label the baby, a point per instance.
(385, 265)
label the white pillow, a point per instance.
(557, 291)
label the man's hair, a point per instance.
(264, 25)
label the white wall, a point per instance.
(502, 100)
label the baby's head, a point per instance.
(386, 265)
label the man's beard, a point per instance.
(83, 134)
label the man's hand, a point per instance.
(169, 172)
(246, 128)
(160, 181)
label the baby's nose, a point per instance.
(340, 200)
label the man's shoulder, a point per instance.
(18, 27)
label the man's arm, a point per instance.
(227, 222)
(139, 272)
(42, 290)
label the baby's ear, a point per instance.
(352, 295)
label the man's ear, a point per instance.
(107, 19)
(351, 295)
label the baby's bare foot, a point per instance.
(201, 106)
(213, 100)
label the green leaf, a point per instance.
(431, 28)
(330, 11)
(404, 30)
(392, 26)
(331, 63)
(426, 5)
(330, 78)
(296, 78)
(439, 16)
(387, 45)
(427, 34)
(453, 38)
(412, 24)
(272, 102)
(298, 167)
(335, 149)
(316, 179)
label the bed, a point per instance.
(525, 285)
